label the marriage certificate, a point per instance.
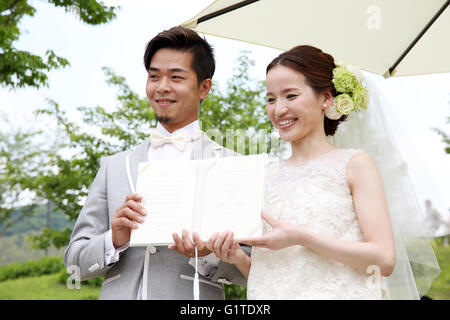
(203, 196)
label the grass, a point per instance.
(440, 289)
(48, 287)
(45, 287)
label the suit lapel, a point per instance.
(203, 148)
(139, 154)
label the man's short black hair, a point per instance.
(183, 39)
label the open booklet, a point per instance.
(203, 196)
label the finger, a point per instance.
(269, 219)
(188, 244)
(134, 196)
(235, 245)
(127, 214)
(254, 241)
(211, 240)
(219, 243)
(133, 205)
(198, 242)
(227, 246)
(228, 241)
(124, 222)
(178, 243)
(136, 206)
(174, 247)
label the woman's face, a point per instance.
(292, 105)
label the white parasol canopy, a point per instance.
(386, 37)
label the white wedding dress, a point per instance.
(315, 195)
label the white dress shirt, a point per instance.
(163, 153)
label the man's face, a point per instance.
(173, 90)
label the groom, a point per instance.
(180, 67)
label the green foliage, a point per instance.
(46, 279)
(16, 248)
(94, 282)
(45, 265)
(36, 222)
(242, 107)
(90, 11)
(14, 245)
(126, 127)
(50, 237)
(445, 137)
(25, 159)
(235, 292)
(20, 159)
(45, 287)
(21, 68)
(440, 289)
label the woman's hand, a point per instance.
(282, 235)
(226, 248)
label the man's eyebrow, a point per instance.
(171, 70)
(178, 70)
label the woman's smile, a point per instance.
(286, 122)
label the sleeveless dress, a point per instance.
(315, 195)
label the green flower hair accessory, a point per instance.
(344, 80)
(351, 95)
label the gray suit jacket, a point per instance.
(169, 274)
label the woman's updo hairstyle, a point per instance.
(317, 68)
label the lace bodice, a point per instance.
(315, 195)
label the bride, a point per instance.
(328, 231)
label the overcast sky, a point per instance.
(419, 102)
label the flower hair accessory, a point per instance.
(351, 95)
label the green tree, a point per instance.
(239, 112)
(20, 68)
(445, 137)
(20, 159)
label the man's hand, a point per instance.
(186, 246)
(127, 217)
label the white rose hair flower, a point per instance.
(332, 113)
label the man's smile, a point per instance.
(165, 102)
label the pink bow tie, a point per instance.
(179, 141)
